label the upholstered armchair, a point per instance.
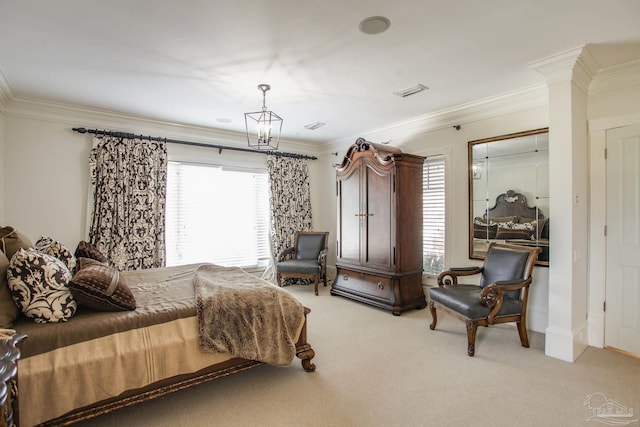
(501, 296)
(307, 259)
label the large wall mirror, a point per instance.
(509, 192)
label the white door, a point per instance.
(622, 330)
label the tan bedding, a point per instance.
(98, 356)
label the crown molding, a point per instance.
(577, 65)
(486, 108)
(618, 76)
(90, 118)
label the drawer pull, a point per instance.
(380, 285)
(345, 277)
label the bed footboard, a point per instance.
(9, 355)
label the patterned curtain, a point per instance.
(128, 182)
(289, 202)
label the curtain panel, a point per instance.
(289, 201)
(128, 179)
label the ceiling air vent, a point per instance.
(314, 126)
(411, 91)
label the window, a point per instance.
(216, 215)
(433, 215)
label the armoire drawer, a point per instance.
(380, 287)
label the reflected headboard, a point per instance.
(512, 204)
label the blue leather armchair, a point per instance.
(307, 259)
(501, 296)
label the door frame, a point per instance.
(597, 220)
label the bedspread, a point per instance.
(246, 316)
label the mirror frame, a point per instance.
(479, 166)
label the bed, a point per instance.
(100, 361)
(512, 220)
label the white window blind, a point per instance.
(216, 215)
(433, 234)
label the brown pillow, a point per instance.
(85, 262)
(11, 240)
(87, 250)
(482, 230)
(100, 287)
(8, 309)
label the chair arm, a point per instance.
(285, 253)
(492, 295)
(450, 277)
(322, 256)
(512, 285)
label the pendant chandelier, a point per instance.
(263, 127)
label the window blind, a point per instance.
(433, 199)
(216, 215)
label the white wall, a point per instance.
(46, 164)
(3, 159)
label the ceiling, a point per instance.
(199, 62)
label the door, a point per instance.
(622, 324)
(378, 200)
(349, 216)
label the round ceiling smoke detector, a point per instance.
(374, 25)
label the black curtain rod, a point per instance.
(195, 144)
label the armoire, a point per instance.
(379, 227)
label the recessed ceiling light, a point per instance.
(411, 91)
(374, 25)
(223, 120)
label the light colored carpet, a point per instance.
(376, 369)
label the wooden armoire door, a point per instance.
(378, 202)
(349, 233)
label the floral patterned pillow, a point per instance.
(38, 284)
(52, 247)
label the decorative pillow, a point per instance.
(52, 247)
(11, 240)
(87, 250)
(85, 262)
(544, 234)
(482, 230)
(513, 230)
(502, 219)
(8, 309)
(100, 287)
(38, 285)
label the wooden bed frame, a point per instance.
(508, 204)
(512, 204)
(9, 391)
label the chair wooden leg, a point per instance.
(434, 316)
(315, 284)
(471, 337)
(522, 331)
(279, 279)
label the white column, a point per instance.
(568, 76)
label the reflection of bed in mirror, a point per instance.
(512, 220)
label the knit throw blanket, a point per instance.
(245, 316)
